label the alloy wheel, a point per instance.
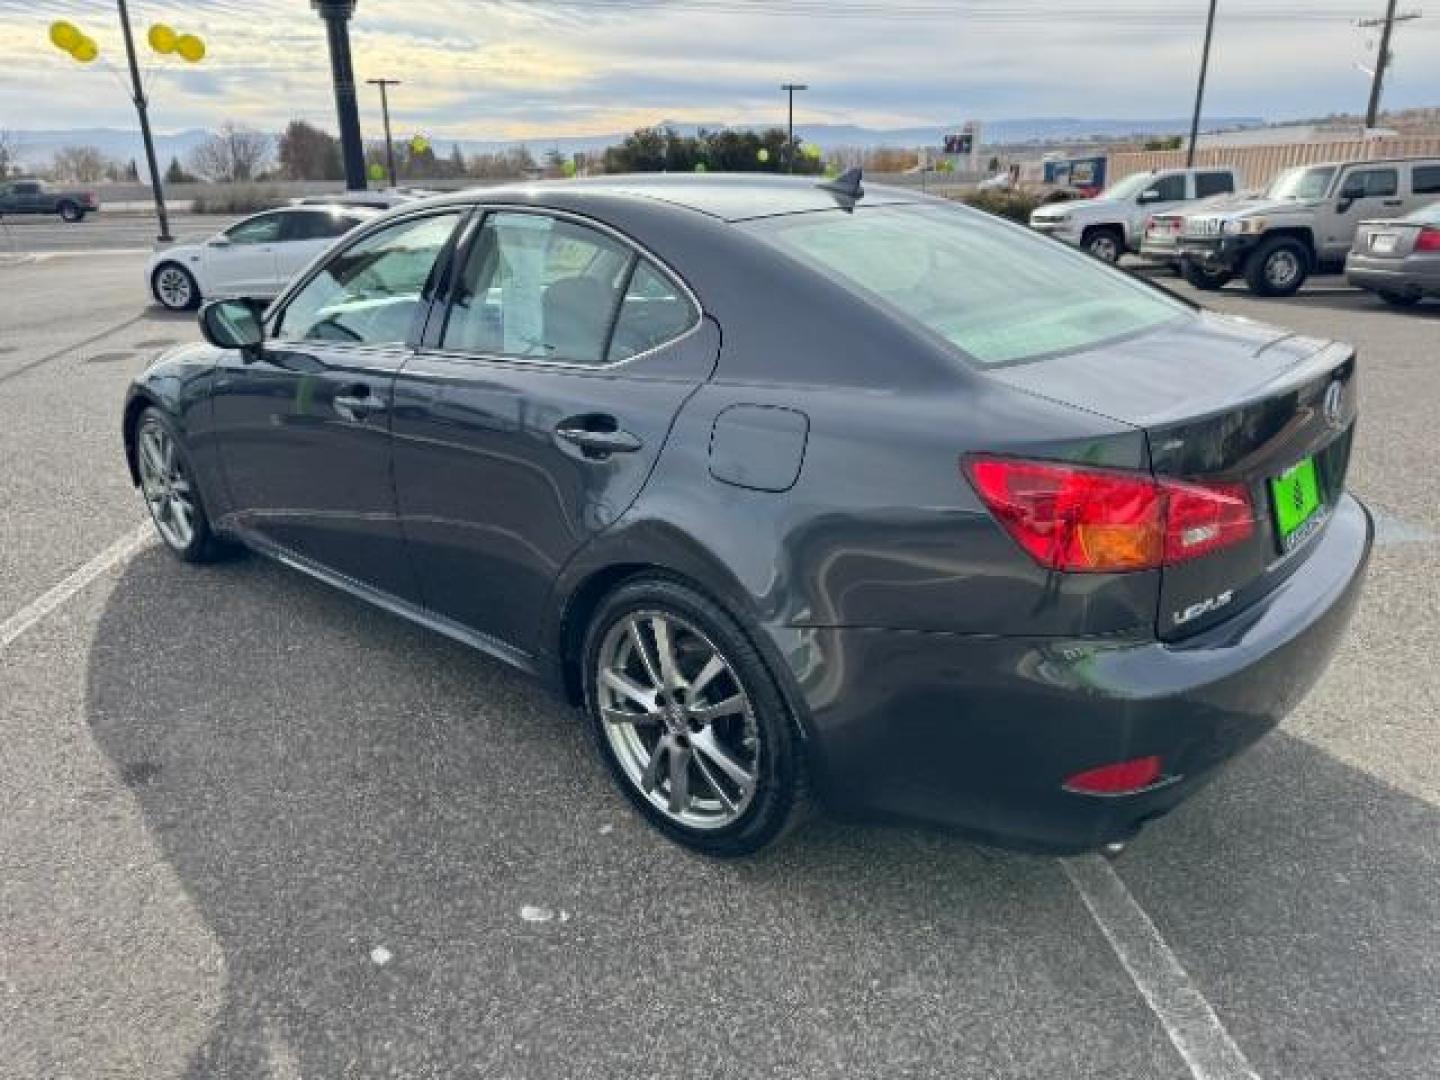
(678, 719)
(167, 489)
(1281, 269)
(1105, 248)
(173, 286)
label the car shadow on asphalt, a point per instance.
(326, 781)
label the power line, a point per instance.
(1383, 57)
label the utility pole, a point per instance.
(336, 14)
(790, 89)
(1200, 87)
(1382, 60)
(383, 84)
(142, 107)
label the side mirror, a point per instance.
(232, 324)
(1149, 195)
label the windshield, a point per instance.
(1302, 183)
(1131, 185)
(999, 293)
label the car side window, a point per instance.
(264, 229)
(1425, 180)
(316, 225)
(1213, 183)
(370, 292)
(655, 310)
(538, 287)
(1370, 183)
(1171, 188)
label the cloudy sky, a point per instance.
(532, 68)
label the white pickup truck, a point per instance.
(1114, 222)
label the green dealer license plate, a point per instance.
(1296, 494)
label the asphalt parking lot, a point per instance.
(251, 827)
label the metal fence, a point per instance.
(1258, 165)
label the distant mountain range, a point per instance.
(36, 147)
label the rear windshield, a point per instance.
(998, 292)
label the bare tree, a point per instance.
(234, 153)
(78, 164)
(9, 151)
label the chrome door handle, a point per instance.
(356, 407)
(598, 443)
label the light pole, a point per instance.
(384, 84)
(336, 14)
(790, 89)
(143, 109)
(1200, 86)
(1382, 59)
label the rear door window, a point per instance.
(1425, 180)
(1171, 188)
(316, 225)
(1213, 183)
(999, 293)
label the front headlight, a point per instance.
(1244, 226)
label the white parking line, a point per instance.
(120, 551)
(1187, 1017)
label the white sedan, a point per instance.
(255, 257)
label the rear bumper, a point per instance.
(1410, 275)
(979, 733)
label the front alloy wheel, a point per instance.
(168, 486)
(689, 719)
(175, 287)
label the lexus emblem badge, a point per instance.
(1334, 404)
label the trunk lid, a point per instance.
(1387, 239)
(1225, 401)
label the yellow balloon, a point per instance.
(763, 155)
(65, 35)
(85, 50)
(163, 38)
(419, 144)
(190, 48)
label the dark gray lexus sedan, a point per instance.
(800, 490)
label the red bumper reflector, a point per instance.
(1121, 778)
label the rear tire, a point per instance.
(1400, 300)
(174, 287)
(712, 758)
(1278, 267)
(1105, 243)
(70, 212)
(1203, 279)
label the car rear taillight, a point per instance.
(1121, 778)
(1086, 520)
(1428, 240)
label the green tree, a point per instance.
(176, 174)
(307, 153)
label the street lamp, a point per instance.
(790, 89)
(384, 84)
(336, 14)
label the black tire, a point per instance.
(779, 800)
(1203, 279)
(1105, 242)
(1278, 267)
(1400, 300)
(202, 545)
(71, 212)
(169, 292)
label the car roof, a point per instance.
(728, 197)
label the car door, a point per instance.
(534, 413)
(241, 260)
(304, 427)
(305, 234)
(1365, 192)
(27, 198)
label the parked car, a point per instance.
(384, 199)
(1160, 242)
(1114, 223)
(1305, 222)
(35, 197)
(765, 477)
(1399, 259)
(254, 258)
